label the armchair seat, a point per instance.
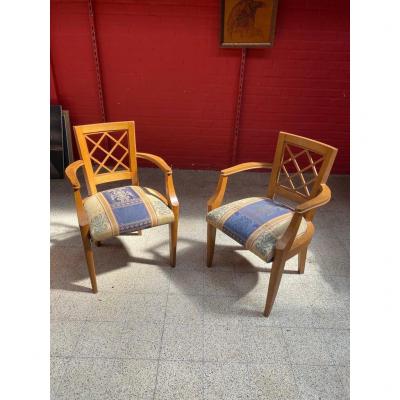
(255, 222)
(123, 210)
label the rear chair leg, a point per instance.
(211, 231)
(89, 256)
(302, 260)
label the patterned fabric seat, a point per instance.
(256, 223)
(123, 210)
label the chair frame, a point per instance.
(130, 173)
(288, 245)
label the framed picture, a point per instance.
(248, 23)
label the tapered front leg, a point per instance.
(274, 282)
(89, 256)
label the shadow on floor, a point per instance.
(68, 264)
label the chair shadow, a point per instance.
(113, 254)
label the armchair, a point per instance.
(273, 230)
(108, 154)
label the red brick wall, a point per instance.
(162, 67)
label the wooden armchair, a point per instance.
(271, 228)
(108, 154)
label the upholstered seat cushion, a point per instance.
(125, 209)
(256, 223)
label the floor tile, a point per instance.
(73, 306)
(344, 375)
(152, 279)
(220, 283)
(338, 286)
(308, 346)
(288, 311)
(187, 282)
(64, 336)
(145, 307)
(182, 342)
(120, 340)
(264, 344)
(226, 381)
(272, 381)
(107, 306)
(232, 342)
(58, 365)
(179, 380)
(223, 343)
(339, 345)
(184, 309)
(252, 283)
(319, 382)
(108, 379)
(331, 312)
(221, 309)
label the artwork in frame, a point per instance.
(248, 23)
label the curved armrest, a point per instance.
(169, 183)
(216, 199)
(319, 200)
(287, 239)
(156, 160)
(71, 170)
(245, 167)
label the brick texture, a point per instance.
(162, 67)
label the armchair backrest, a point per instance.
(108, 151)
(300, 166)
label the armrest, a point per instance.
(287, 239)
(216, 199)
(245, 167)
(156, 160)
(71, 171)
(169, 183)
(319, 200)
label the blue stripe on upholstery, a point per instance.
(128, 209)
(244, 222)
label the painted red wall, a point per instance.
(162, 67)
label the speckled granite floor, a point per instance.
(153, 332)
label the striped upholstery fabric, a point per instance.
(125, 209)
(255, 222)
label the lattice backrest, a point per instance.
(108, 151)
(300, 166)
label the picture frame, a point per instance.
(248, 23)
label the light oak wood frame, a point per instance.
(308, 196)
(94, 177)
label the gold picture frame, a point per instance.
(248, 23)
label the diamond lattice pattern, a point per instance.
(108, 151)
(299, 169)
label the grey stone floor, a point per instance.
(153, 332)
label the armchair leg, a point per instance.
(274, 282)
(173, 238)
(302, 260)
(211, 231)
(89, 257)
